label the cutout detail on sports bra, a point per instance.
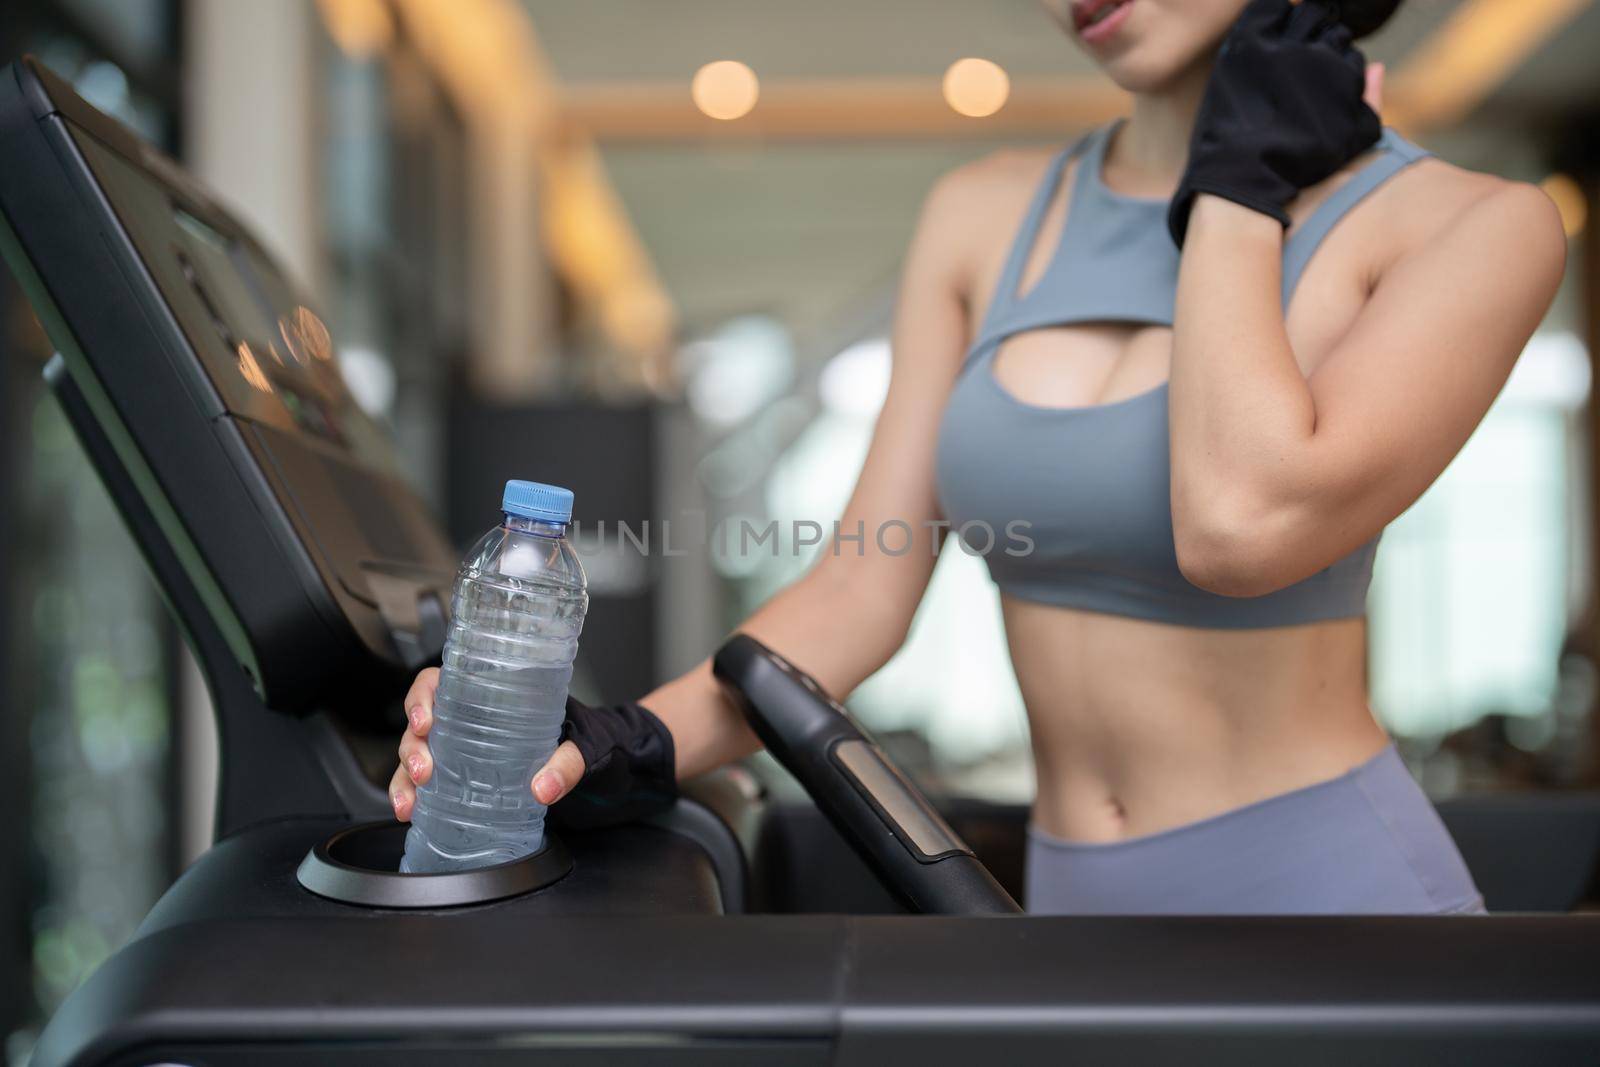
(1047, 368)
(1109, 362)
(1095, 229)
(1091, 485)
(1048, 213)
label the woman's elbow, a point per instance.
(1229, 550)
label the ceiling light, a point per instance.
(726, 89)
(975, 87)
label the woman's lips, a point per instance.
(1097, 31)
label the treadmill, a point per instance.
(311, 583)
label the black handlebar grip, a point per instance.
(884, 817)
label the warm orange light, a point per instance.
(976, 87)
(291, 341)
(305, 335)
(589, 236)
(251, 371)
(639, 316)
(1471, 54)
(1570, 201)
(361, 28)
(726, 89)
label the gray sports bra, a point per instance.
(1092, 484)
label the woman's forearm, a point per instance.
(707, 729)
(818, 623)
(851, 611)
(1241, 411)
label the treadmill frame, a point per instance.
(238, 964)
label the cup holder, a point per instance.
(361, 865)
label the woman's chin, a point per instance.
(1145, 70)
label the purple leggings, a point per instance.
(1366, 842)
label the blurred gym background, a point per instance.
(647, 248)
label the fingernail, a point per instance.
(545, 788)
(398, 800)
(414, 765)
(416, 717)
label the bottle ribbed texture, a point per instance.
(517, 612)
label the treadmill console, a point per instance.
(218, 389)
(206, 395)
(886, 818)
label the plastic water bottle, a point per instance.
(518, 608)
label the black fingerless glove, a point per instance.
(1283, 110)
(628, 762)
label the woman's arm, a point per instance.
(1274, 475)
(851, 611)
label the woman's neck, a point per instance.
(1153, 145)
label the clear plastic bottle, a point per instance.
(518, 609)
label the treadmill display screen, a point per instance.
(259, 361)
(210, 399)
(268, 357)
(288, 355)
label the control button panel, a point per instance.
(899, 801)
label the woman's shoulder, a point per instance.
(973, 209)
(987, 185)
(1434, 200)
(1002, 170)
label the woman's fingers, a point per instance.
(416, 762)
(419, 701)
(560, 773)
(415, 759)
(1374, 94)
(402, 794)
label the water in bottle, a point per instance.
(518, 608)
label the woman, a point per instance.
(1205, 444)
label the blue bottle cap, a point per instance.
(535, 500)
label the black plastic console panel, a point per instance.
(506, 983)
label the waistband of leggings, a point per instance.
(1387, 761)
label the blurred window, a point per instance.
(1477, 584)
(394, 164)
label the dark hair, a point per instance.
(1366, 17)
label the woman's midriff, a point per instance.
(1141, 726)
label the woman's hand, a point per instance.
(563, 770)
(616, 763)
(416, 762)
(1373, 93)
(628, 770)
(1286, 107)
